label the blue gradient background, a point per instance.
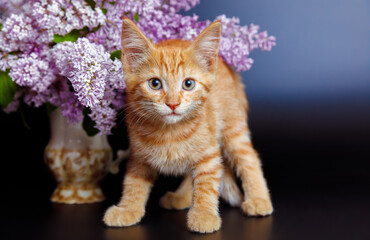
(315, 83)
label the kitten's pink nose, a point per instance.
(173, 106)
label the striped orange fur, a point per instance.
(186, 115)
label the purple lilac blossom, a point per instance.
(159, 21)
(14, 104)
(238, 41)
(84, 57)
(8, 7)
(95, 78)
(32, 71)
(60, 95)
(116, 10)
(265, 42)
(6, 61)
(17, 32)
(159, 26)
(71, 108)
(62, 16)
(89, 64)
(104, 117)
(119, 100)
(174, 6)
(35, 99)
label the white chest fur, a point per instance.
(171, 157)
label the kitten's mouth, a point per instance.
(173, 117)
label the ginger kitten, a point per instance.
(186, 115)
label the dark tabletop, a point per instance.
(327, 212)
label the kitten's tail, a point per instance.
(121, 155)
(229, 189)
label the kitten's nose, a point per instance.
(173, 106)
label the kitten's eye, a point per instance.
(188, 84)
(155, 84)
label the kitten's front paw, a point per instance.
(257, 207)
(122, 217)
(203, 221)
(172, 200)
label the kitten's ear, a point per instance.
(205, 46)
(136, 47)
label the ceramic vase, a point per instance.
(77, 161)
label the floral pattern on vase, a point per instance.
(77, 161)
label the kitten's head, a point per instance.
(168, 81)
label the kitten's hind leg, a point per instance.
(245, 160)
(181, 198)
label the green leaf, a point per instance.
(91, 3)
(7, 88)
(112, 3)
(50, 107)
(88, 124)
(72, 36)
(1, 26)
(104, 10)
(115, 54)
(136, 17)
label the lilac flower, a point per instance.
(160, 26)
(116, 78)
(116, 10)
(97, 38)
(61, 57)
(119, 100)
(32, 71)
(95, 79)
(6, 61)
(104, 117)
(8, 7)
(62, 16)
(71, 107)
(157, 21)
(88, 64)
(108, 35)
(35, 99)
(60, 95)
(238, 41)
(14, 104)
(174, 6)
(265, 42)
(16, 33)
